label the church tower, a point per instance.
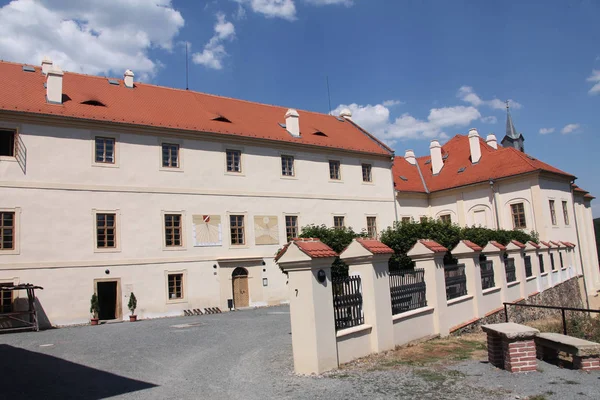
(512, 138)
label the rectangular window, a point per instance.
(287, 165)
(541, 258)
(175, 286)
(234, 161)
(423, 219)
(7, 142)
(372, 227)
(106, 235)
(236, 224)
(105, 150)
(518, 215)
(406, 220)
(446, 218)
(528, 269)
(170, 155)
(334, 170)
(552, 262)
(565, 212)
(7, 230)
(173, 230)
(338, 222)
(366, 173)
(552, 212)
(561, 260)
(291, 227)
(6, 298)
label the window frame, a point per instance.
(15, 130)
(10, 292)
(513, 214)
(447, 216)
(243, 227)
(336, 218)
(405, 220)
(293, 168)
(16, 248)
(285, 219)
(241, 162)
(565, 206)
(370, 172)
(552, 205)
(368, 218)
(339, 170)
(182, 229)
(95, 146)
(117, 214)
(183, 298)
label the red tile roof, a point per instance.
(534, 244)
(472, 246)
(589, 196)
(518, 244)
(433, 246)
(375, 246)
(184, 110)
(546, 244)
(578, 189)
(555, 243)
(314, 248)
(498, 245)
(494, 164)
(568, 244)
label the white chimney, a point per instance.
(292, 122)
(410, 157)
(474, 145)
(436, 156)
(46, 65)
(492, 141)
(346, 114)
(128, 78)
(54, 85)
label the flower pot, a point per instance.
(94, 321)
(132, 318)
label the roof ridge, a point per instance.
(372, 137)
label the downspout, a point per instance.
(394, 190)
(587, 301)
(495, 204)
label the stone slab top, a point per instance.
(569, 344)
(510, 330)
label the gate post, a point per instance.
(369, 259)
(467, 253)
(308, 265)
(494, 253)
(429, 256)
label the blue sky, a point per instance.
(409, 70)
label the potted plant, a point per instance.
(132, 306)
(94, 309)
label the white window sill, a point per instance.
(544, 274)
(511, 284)
(174, 248)
(171, 169)
(335, 181)
(289, 177)
(460, 299)
(176, 301)
(8, 158)
(9, 252)
(231, 173)
(105, 165)
(412, 313)
(355, 329)
(240, 246)
(491, 290)
(530, 278)
(107, 250)
(371, 183)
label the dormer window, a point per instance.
(7, 142)
(220, 118)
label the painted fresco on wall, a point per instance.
(207, 230)
(266, 229)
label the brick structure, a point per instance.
(511, 346)
(586, 363)
(586, 354)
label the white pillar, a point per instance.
(494, 252)
(468, 253)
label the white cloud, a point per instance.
(285, 9)
(89, 36)
(489, 120)
(391, 103)
(376, 119)
(570, 128)
(595, 77)
(214, 52)
(545, 131)
(346, 3)
(468, 95)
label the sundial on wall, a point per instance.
(207, 230)
(266, 229)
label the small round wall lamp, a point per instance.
(107, 272)
(321, 276)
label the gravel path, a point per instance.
(240, 355)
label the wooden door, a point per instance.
(240, 291)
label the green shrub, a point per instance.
(132, 305)
(94, 306)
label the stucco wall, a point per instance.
(351, 346)
(413, 325)
(459, 311)
(491, 300)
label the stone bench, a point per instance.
(511, 346)
(586, 354)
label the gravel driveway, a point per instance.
(240, 355)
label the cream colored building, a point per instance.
(110, 186)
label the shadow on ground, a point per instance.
(28, 374)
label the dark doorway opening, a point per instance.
(107, 299)
(7, 143)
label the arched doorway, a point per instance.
(239, 278)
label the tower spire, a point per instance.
(512, 137)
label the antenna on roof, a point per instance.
(187, 87)
(328, 94)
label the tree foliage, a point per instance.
(132, 305)
(94, 305)
(403, 236)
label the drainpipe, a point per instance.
(495, 204)
(394, 190)
(587, 301)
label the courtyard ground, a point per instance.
(247, 355)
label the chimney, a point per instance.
(436, 157)
(54, 85)
(491, 141)
(292, 122)
(46, 65)
(474, 145)
(410, 157)
(346, 114)
(128, 78)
